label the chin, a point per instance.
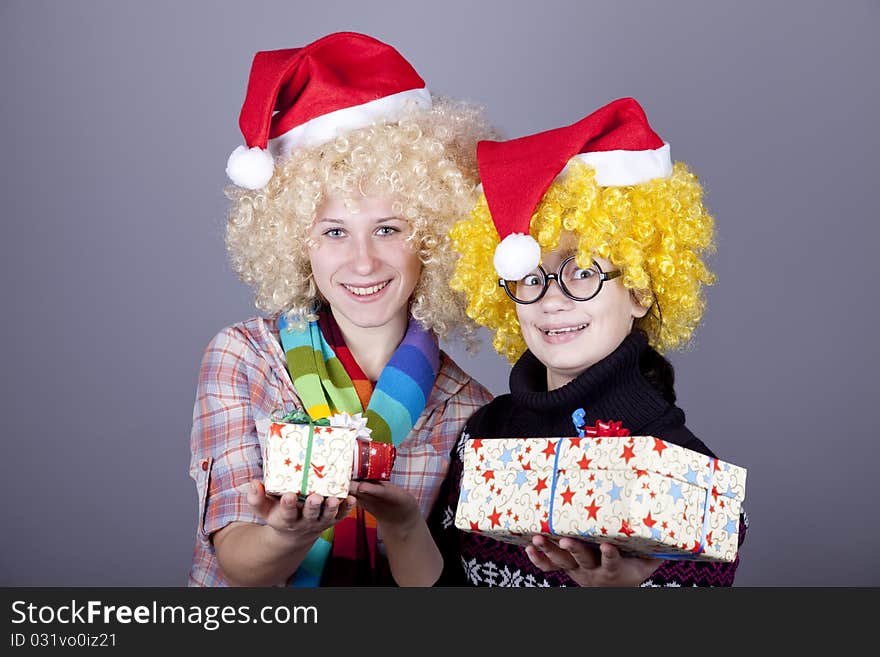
(570, 359)
(568, 367)
(368, 317)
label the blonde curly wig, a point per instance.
(655, 232)
(425, 163)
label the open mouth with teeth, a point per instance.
(371, 290)
(567, 329)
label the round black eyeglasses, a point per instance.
(577, 283)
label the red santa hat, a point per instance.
(615, 140)
(303, 97)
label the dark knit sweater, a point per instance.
(612, 389)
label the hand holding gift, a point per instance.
(391, 505)
(589, 565)
(304, 518)
(412, 554)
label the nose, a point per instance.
(554, 300)
(363, 260)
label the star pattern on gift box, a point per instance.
(644, 485)
(297, 455)
(614, 493)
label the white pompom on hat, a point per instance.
(616, 140)
(251, 168)
(303, 97)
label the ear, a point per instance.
(640, 303)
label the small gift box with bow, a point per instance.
(642, 494)
(307, 456)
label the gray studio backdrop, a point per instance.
(117, 119)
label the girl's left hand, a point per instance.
(589, 566)
(393, 507)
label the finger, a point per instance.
(587, 555)
(345, 507)
(311, 509)
(611, 559)
(285, 512)
(256, 497)
(330, 507)
(368, 488)
(539, 559)
(561, 558)
(290, 501)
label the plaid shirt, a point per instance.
(242, 381)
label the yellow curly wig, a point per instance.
(655, 232)
(425, 163)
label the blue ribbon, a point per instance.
(553, 483)
(578, 419)
(661, 555)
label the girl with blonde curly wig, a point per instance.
(344, 194)
(599, 268)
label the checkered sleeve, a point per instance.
(224, 444)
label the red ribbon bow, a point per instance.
(603, 429)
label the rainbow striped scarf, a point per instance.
(328, 380)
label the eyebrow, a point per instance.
(381, 220)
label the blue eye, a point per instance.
(387, 230)
(334, 232)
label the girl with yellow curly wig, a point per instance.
(599, 268)
(344, 194)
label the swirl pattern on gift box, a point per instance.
(640, 493)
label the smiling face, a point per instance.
(568, 336)
(363, 264)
